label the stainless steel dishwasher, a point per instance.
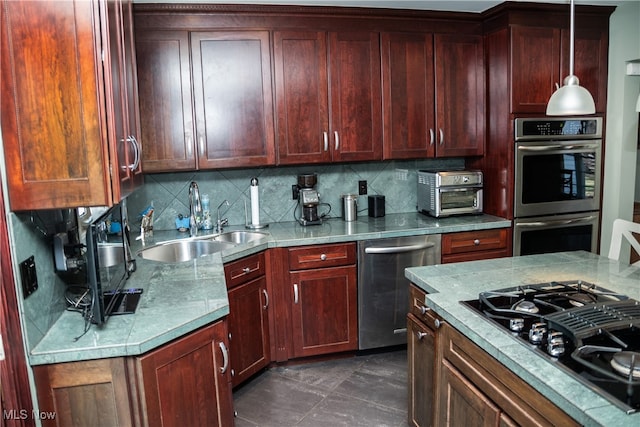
(383, 291)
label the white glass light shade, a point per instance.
(570, 99)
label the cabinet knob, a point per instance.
(246, 270)
(421, 335)
(424, 309)
(437, 323)
(323, 257)
(476, 242)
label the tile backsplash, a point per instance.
(168, 192)
(396, 180)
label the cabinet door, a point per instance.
(187, 382)
(355, 118)
(535, 67)
(408, 91)
(166, 112)
(248, 329)
(80, 393)
(302, 122)
(324, 311)
(233, 98)
(590, 62)
(122, 104)
(421, 344)
(460, 95)
(52, 115)
(461, 403)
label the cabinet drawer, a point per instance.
(418, 308)
(319, 256)
(473, 241)
(243, 270)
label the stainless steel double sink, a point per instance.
(187, 249)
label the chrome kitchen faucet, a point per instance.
(195, 209)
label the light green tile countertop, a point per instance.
(449, 284)
(179, 298)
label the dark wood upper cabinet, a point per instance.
(328, 96)
(540, 61)
(166, 106)
(61, 101)
(433, 88)
(233, 98)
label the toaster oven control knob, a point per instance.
(536, 333)
(555, 344)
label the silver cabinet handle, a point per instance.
(437, 323)
(423, 309)
(335, 134)
(233, 373)
(421, 335)
(476, 242)
(266, 299)
(398, 249)
(295, 293)
(136, 152)
(225, 358)
(432, 136)
(189, 141)
(441, 137)
(246, 270)
(323, 257)
(325, 135)
(201, 145)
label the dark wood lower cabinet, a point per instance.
(421, 347)
(183, 383)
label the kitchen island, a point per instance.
(447, 285)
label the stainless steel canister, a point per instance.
(349, 207)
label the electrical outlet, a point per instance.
(362, 187)
(28, 276)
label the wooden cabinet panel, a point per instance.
(324, 311)
(302, 97)
(67, 92)
(187, 382)
(355, 120)
(408, 90)
(474, 245)
(320, 256)
(479, 371)
(462, 403)
(233, 98)
(328, 96)
(422, 357)
(535, 67)
(51, 106)
(164, 81)
(81, 394)
(248, 329)
(434, 95)
(243, 270)
(460, 95)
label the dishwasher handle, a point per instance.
(398, 249)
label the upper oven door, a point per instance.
(557, 177)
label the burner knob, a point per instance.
(536, 333)
(555, 344)
(516, 324)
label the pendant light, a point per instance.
(571, 98)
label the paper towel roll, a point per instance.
(255, 202)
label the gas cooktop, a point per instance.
(590, 331)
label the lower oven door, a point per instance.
(556, 233)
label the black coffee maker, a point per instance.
(308, 199)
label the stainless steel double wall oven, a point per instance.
(558, 171)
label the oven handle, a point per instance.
(557, 222)
(554, 147)
(398, 249)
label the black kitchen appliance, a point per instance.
(591, 332)
(308, 199)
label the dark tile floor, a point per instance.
(366, 390)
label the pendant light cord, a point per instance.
(571, 38)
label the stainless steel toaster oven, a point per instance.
(445, 193)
